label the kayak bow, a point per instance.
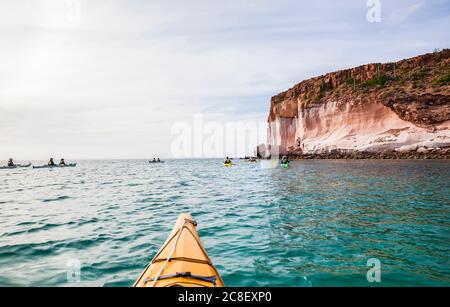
(181, 262)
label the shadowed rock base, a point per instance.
(436, 154)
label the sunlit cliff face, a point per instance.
(371, 127)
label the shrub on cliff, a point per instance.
(377, 81)
(443, 80)
(420, 75)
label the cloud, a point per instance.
(112, 82)
(401, 14)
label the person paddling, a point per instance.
(285, 160)
(51, 162)
(11, 163)
(62, 163)
(227, 161)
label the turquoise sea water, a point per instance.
(314, 224)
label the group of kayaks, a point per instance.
(282, 164)
(229, 162)
(37, 167)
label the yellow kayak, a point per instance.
(227, 164)
(182, 261)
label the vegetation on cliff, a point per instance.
(417, 89)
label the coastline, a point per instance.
(425, 154)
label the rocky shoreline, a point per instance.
(421, 154)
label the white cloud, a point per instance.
(112, 84)
(400, 14)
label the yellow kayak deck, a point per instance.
(182, 261)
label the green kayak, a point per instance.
(285, 165)
(15, 166)
(55, 166)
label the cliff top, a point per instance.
(417, 81)
(416, 70)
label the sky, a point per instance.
(110, 79)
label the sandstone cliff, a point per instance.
(401, 107)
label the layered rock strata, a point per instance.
(400, 107)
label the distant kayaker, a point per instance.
(154, 160)
(284, 160)
(51, 162)
(159, 160)
(11, 162)
(227, 161)
(62, 163)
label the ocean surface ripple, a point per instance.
(314, 224)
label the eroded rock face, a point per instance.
(422, 110)
(372, 108)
